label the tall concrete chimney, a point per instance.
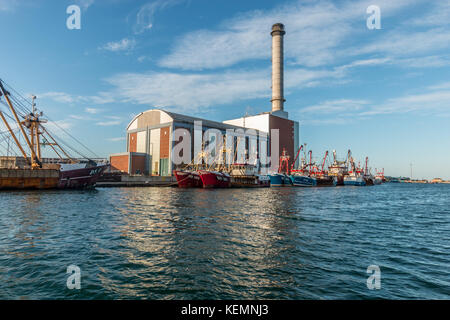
(277, 67)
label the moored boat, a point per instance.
(338, 169)
(188, 179)
(299, 180)
(34, 172)
(214, 179)
(80, 177)
(246, 176)
(281, 178)
(353, 180)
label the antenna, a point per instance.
(33, 97)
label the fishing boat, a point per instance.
(300, 177)
(355, 176)
(281, 178)
(214, 179)
(339, 169)
(379, 177)
(34, 172)
(368, 177)
(188, 179)
(320, 174)
(244, 175)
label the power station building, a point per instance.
(150, 135)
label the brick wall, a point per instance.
(119, 163)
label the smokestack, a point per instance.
(277, 67)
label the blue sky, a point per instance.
(382, 93)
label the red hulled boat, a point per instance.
(188, 179)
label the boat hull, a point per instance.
(249, 182)
(369, 181)
(339, 180)
(188, 179)
(354, 181)
(213, 179)
(325, 182)
(280, 180)
(80, 178)
(303, 181)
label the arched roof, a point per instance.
(148, 118)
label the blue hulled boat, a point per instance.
(354, 180)
(302, 181)
(280, 180)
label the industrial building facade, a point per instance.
(150, 142)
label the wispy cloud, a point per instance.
(84, 4)
(190, 91)
(336, 106)
(146, 15)
(433, 101)
(108, 123)
(117, 139)
(425, 103)
(8, 5)
(121, 45)
(438, 15)
(317, 34)
(63, 97)
(93, 110)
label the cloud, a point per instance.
(58, 125)
(408, 43)
(426, 103)
(117, 139)
(8, 5)
(93, 110)
(121, 45)
(336, 106)
(63, 97)
(438, 15)
(188, 92)
(316, 33)
(84, 4)
(109, 123)
(434, 101)
(146, 15)
(59, 97)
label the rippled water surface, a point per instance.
(272, 243)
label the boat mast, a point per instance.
(323, 163)
(35, 162)
(14, 137)
(296, 157)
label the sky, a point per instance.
(383, 93)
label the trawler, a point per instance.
(355, 176)
(281, 178)
(320, 174)
(34, 172)
(339, 169)
(301, 177)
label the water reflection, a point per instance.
(273, 243)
